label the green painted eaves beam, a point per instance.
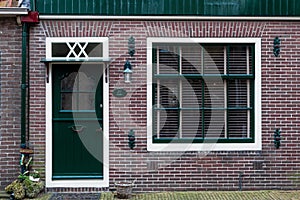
(169, 7)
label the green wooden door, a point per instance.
(77, 138)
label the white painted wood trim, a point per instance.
(12, 11)
(97, 183)
(257, 145)
(48, 160)
(175, 18)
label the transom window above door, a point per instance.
(77, 49)
(203, 92)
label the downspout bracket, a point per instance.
(24, 86)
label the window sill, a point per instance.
(201, 140)
(204, 146)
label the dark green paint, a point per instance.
(277, 138)
(276, 48)
(203, 108)
(25, 30)
(71, 157)
(170, 7)
(131, 139)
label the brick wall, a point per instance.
(267, 169)
(10, 107)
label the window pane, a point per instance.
(94, 50)
(192, 93)
(77, 50)
(237, 60)
(191, 124)
(237, 123)
(214, 93)
(167, 123)
(237, 93)
(214, 123)
(168, 60)
(168, 94)
(60, 50)
(191, 59)
(213, 59)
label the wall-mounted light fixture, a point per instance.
(127, 72)
(128, 67)
(276, 49)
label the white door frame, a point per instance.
(96, 183)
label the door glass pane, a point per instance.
(86, 81)
(78, 90)
(86, 101)
(66, 99)
(67, 82)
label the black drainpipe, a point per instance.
(25, 80)
(25, 30)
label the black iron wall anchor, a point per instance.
(277, 138)
(131, 46)
(276, 48)
(131, 139)
(241, 181)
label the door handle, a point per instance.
(77, 128)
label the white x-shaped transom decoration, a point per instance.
(72, 52)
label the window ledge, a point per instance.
(205, 147)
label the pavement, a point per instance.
(233, 195)
(210, 195)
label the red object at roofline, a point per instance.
(32, 17)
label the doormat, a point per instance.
(75, 196)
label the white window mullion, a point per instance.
(225, 94)
(158, 94)
(71, 48)
(202, 104)
(202, 60)
(180, 93)
(82, 49)
(248, 93)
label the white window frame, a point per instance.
(95, 183)
(257, 145)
